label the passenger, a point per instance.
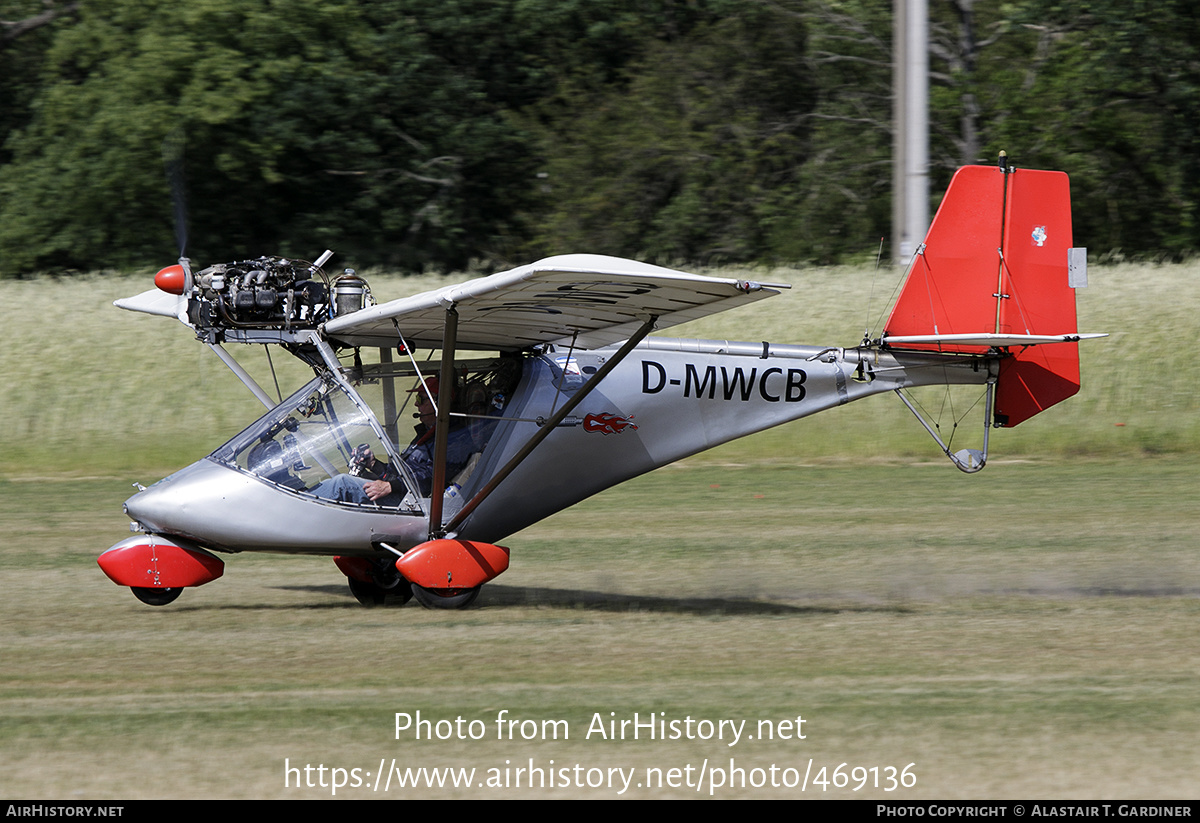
(420, 452)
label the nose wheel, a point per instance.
(156, 597)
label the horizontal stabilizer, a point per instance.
(988, 339)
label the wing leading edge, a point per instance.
(596, 300)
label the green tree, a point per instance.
(840, 204)
(427, 134)
(86, 186)
(1116, 102)
(304, 123)
(685, 154)
(26, 31)
(1107, 91)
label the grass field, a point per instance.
(1025, 632)
(1021, 633)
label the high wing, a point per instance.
(592, 299)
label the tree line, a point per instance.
(423, 134)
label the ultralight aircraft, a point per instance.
(547, 389)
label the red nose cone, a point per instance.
(171, 279)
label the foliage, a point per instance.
(1108, 91)
(687, 153)
(1122, 106)
(302, 120)
(474, 132)
(26, 31)
(839, 207)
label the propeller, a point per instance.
(172, 153)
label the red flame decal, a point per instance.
(607, 423)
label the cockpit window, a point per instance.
(321, 442)
(317, 441)
(479, 396)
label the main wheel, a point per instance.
(445, 598)
(156, 597)
(374, 594)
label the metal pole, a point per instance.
(388, 383)
(910, 175)
(441, 431)
(242, 375)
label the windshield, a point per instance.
(323, 441)
(317, 441)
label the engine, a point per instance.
(271, 293)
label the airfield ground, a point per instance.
(1006, 648)
(1025, 632)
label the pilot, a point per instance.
(370, 480)
(383, 484)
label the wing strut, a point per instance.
(441, 433)
(549, 426)
(242, 375)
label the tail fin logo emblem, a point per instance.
(1039, 235)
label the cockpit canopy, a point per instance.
(326, 433)
(316, 435)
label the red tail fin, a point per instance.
(995, 261)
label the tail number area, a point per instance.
(771, 384)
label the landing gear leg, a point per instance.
(382, 586)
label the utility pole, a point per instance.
(910, 138)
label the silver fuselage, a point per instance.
(668, 399)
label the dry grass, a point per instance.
(120, 392)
